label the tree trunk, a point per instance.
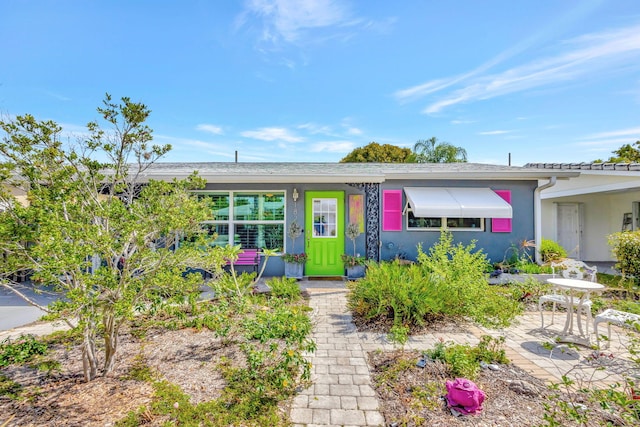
(111, 328)
(89, 360)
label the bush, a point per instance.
(551, 251)
(463, 360)
(449, 282)
(283, 287)
(21, 350)
(626, 249)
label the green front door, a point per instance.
(324, 232)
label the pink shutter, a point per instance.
(502, 225)
(392, 210)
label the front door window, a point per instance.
(324, 217)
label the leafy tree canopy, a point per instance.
(433, 151)
(376, 153)
(95, 230)
(625, 154)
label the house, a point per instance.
(396, 205)
(582, 212)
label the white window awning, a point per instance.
(427, 202)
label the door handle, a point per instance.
(308, 242)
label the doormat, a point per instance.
(326, 278)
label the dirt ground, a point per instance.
(184, 357)
(513, 397)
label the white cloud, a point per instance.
(494, 132)
(272, 134)
(214, 129)
(632, 132)
(333, 147)
(605, 142)
(354, 131)
(589, 55)
(314, 128)
(461, 122)
(287, 19)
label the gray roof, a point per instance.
(587, 166)
(347, 172)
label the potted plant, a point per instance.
(355, 264)
(294, 262)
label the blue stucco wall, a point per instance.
(275, 266)
(405, 242)
(493, 244)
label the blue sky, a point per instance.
(304, 80)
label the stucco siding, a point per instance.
(601, 216)
(493, 244)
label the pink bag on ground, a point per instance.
(464, 396)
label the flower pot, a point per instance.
(293, 270)
(355, 272)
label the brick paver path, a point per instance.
(342, 393)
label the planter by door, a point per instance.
(355, 272)
(294, 270)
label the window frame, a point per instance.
(443, 220)
(232, 223)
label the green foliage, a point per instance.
(300, 258)
(432, 151)
(458, 275)
(376, 153)
(93, 230)
(529, 289)
(627, 153)
(272, 333)
(140, 370)
(9, 388)
(626, 249)
(551, 251)
(352, 260)
(565, 400)
(449, 282)
(464, 360)
(391, 290)
(399, 334)
(284, 287)
(22, 350)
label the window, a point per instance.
(253, 219)
(437, 223)
(325, 212)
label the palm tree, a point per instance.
(432, 151)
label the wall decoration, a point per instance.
(356, 210)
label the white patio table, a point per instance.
(576, 290)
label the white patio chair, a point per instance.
(616, 317)
(569, 269)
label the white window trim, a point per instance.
(231, 223)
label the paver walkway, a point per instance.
(342, 392)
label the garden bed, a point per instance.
(412, 396)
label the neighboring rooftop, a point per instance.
(587, 166)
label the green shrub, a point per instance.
(463, 360)
(551, 251)
(284, 287)
(21, 350)
(450, 281)
(394, 291)
(626, 249)
(9, 388)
